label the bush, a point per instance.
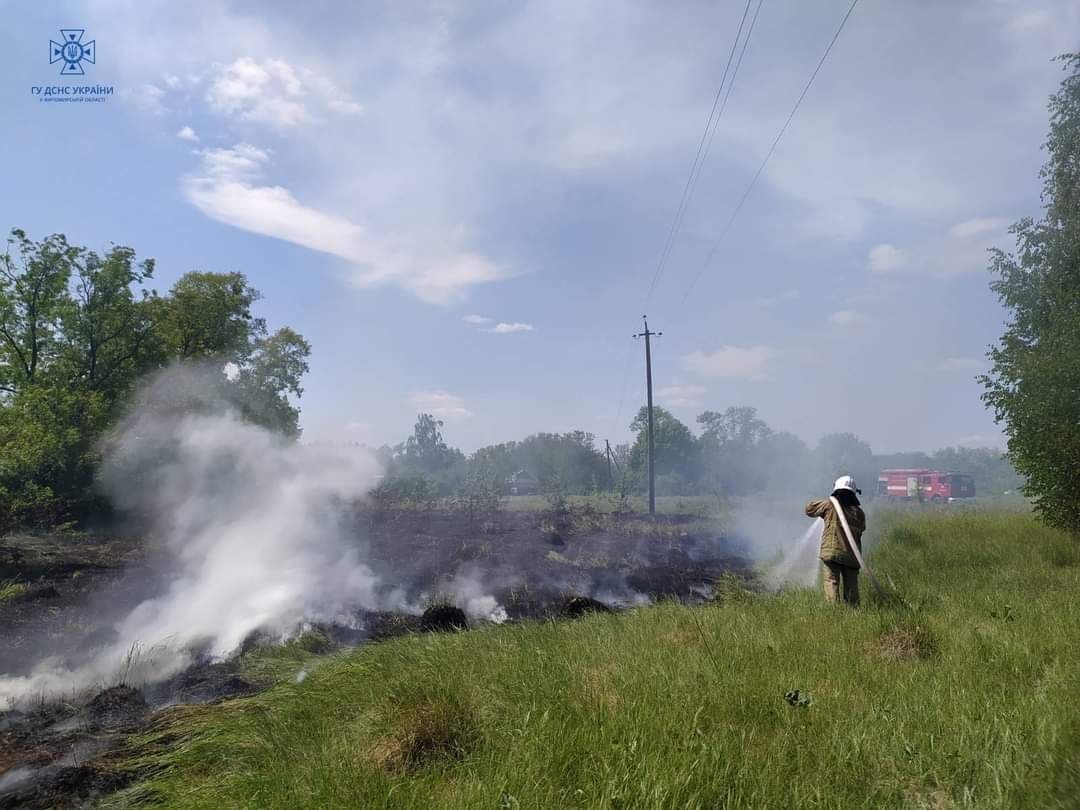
(415, 491)
(479, 496)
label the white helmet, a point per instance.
(846, 482)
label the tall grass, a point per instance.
(966, 698)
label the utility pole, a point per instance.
(611, 463)
(648, 386)
(610, 477)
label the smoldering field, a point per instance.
(227, 534)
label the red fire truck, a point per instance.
(930, 486)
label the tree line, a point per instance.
(78, 329)
(735, 453)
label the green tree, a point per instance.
(783, 461)
(731, 444)
(568, 460)
(78, 329)
(1034, 382)
(108, 327)
(208, 315)
(48, 435)
(678, 455)
(844, 454)
(267, 375)
(501, 459)
(426, 450)
(992, 473)
(33, 299)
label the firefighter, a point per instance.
(841, 569)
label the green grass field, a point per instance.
(968, 697)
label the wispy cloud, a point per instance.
(961, 249)
(846, 317)
(886, 258)
(187, 134)
(978, 227)
(273, 92)
(508, 328)
(500, 328)
(441, 404)
(731, 362)
(961, 364)
(227, 188)
(681, 396)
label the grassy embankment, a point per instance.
(966, 698)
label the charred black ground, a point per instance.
(57, 753)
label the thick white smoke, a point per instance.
(251, 521)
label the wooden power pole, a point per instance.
(610, 477)
(648, 387)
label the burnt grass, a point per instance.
(64, 752)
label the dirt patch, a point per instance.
(425, 734)
(907, 642)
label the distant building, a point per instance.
(521, 483)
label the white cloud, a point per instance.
(226, 188)
(146, 97)
(846, 317)
(961, 250)
(1033, 20)
(961, 364)
(440, 404)
(886, 258)
(731, 362)
(681, 396)
(507, 328)
(501, 328)
(187, 134)
(273, 92)
(976, 227)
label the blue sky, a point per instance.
(462, 205)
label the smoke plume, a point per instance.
(250, 521)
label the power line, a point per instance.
(699, 157)
(731, 84)
(768, 155)
(708, 134)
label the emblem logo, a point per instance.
(72, 51)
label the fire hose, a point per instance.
(858, 555)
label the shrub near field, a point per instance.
(965, 698)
